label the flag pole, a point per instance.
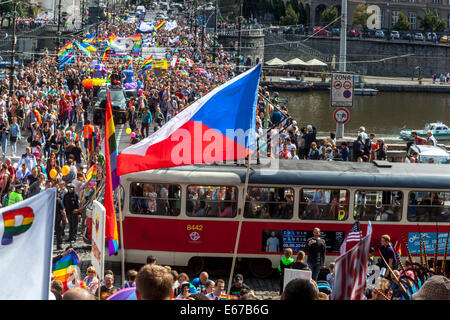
(240, 214)
(121, 239)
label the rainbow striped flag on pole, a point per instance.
(112, 180)
(159, 25)
(64, 267)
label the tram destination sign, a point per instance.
(342, 89)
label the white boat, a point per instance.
(440, 131)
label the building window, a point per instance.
(449, 16)
(269, 203)
(155, 199)
(376, 205)
(436, 1)
(429, 206)
(412, 20)
(395, 16)
(211, 201)
(323, 204)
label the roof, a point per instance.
(427, 150)
(311, 173)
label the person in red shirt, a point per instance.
(418, 140)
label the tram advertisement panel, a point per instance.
(278, 240)
(429, 239)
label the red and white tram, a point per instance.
(189, 215)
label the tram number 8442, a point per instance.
(194, 227)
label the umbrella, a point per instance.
(182, 72)
(316, 62)
(139, 59)
(276, 62)
(126, 58)
(124, 294)
(296, 62)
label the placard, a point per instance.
(342, 89)
(98, 238)
(291, 274)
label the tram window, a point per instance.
(377, 205)
(269, 203)
(323, 204)
(155, 199)
(429, 206)
(211, 201)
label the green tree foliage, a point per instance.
(303, 16)
(278, 9)
(294, 4)
(328, 15)
(290, 18)
(402, 23)
(360, 15)
(431, 22)
(264, 6)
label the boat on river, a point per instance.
(439, 130)
(290, 84)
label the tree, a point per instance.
(290, 18)
(360, 15)
(294, 4)
(329, 15)
(402, 22)
(278, 9)
(431, 22)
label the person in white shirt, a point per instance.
(294, 154)
(431, 140)
(218, 290)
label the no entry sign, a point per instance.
(341, 115)
(341, 90)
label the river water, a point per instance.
(384, 114)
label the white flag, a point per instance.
(174, 61)
(26, 231)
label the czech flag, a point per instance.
(219, 126)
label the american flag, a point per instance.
(353, 237)
(350, 270)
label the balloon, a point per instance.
(53, 173)
(65, 170)
(133, 135)
(128, 131)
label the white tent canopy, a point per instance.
(296, 62)
(276, 62)
(316, 62)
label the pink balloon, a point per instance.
(133, 134)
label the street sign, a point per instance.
(342, 89)
(341, 115)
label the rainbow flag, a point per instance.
(65, 47)
(228, 297)
(91, 173)
(64, 268)
(135, 36)
(148, 61)
(112, 38)
(112, 180)
(37, 115)
(104, 56)
(159, 25)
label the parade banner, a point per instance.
(26, 231)
(429, 239)
(161, 64)
(98, 238)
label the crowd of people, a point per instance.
(393, 281)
